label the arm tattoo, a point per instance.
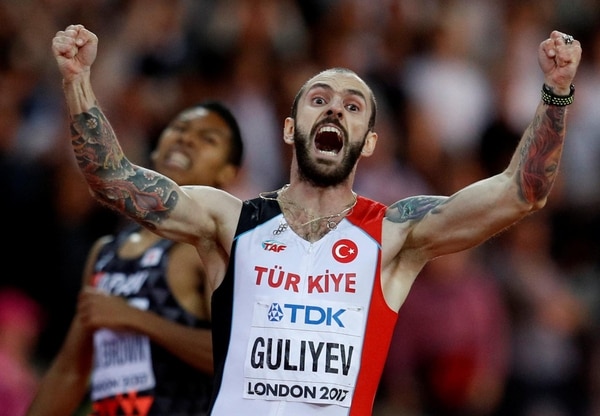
(142, 194)
(414, 208)
(540, 154)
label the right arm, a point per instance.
(192, 215)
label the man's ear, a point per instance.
(288, 130)
(369, 146)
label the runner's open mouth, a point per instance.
(329, 139)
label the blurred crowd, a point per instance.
(509, 328)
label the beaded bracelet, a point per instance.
(549, 98)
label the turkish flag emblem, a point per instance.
(344, 251)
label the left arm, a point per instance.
(443, 225)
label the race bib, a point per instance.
(303, 352)
(122, 361)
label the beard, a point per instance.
(324, 174)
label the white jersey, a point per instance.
(292, 318)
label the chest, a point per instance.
(341, 266)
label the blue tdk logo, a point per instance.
(306, 314)
(275, 313)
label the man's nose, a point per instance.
(336, 109)
(184, 137)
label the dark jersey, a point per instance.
(132, 375)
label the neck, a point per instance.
(318, 200)
(313, 218)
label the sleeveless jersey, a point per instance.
(301, 328)
(132, 375)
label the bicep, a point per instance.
(204, 217)
(443, 225)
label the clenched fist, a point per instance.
(75, 51)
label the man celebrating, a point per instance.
(308, 280)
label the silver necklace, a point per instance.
(331, 222)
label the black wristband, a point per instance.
(549, 98)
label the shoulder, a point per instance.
(216, 202)
(203, 214)
(99, 244)
(93, 255)
(208, 193)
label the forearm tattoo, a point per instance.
(414, 208)
(142, 194)
(540, 154)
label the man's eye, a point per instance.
(353, 107)
(319, 100)
(208, 138)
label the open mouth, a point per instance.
(177, 159)
(329, 140)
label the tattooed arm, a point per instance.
(433, 226)
(187, 214)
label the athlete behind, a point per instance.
(308, 279)
(140, 341)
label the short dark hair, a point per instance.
(236, 151)
(302, 90)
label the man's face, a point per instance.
(194, 148)
(331, 127)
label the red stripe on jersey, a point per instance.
(381, 320)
